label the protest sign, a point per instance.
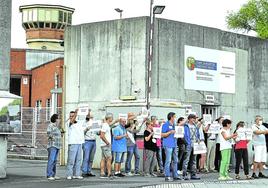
(82, 112)
(123, 116)
(241, 134)
(157, 132)
(214, 128)
(144, 112)
(249, 133)
(200, 148)
(95, 127)
(207, 119)
(179, 132)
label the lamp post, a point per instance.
(153, 11)
(120, 11)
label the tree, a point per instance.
(252, 16)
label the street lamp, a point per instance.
(119, 11)
(153, 11)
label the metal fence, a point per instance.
(32, 142)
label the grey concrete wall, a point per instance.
(251, 68)
(5, 42)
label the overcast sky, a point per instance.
(210, 13)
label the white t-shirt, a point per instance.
(225, 144)
(76, 133)
(107, 130)
(89, 134)
(259, 139)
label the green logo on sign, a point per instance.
(190, 63)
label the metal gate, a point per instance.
(32, 142)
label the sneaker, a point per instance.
(213, 171)
(57, 178)
(147, 175)
(176, 179)
(103, 176)
(222, 178)
(91, 175)
(179, 172)
(254, 176)
(194, 177)
(261, 175)
(137, 174)
(168, 179)
(248, 177)
(229, 178)
(153, 175)
(51, 178)
(69, 177)
(121, 175)
(185, 177)
(78, 177)
(85, 175)
(237, 177)
(129, 174)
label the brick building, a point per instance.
(34, 74)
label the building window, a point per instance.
(60, 16)
(70, 18)
(48, 109)
(38, 106)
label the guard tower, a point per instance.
(45, 24)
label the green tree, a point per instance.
(252, 16)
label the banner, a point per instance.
(179, 132)
(200, 148)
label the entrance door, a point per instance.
(206, 109)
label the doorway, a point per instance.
(210, 109)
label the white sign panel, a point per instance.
(207, 118)
(200, 148)
(209, 70)
(179, 132)
(214, 128)
(157, 132)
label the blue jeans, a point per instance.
(89, 150)
(52, 161)
(159, 158)
(171, 153)
(130, 151)
(189, 160)
(74, 160)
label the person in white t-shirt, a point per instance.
(259, 143)
(75, 141)
(105, 135)
(225, 138)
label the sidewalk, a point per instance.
(31, 174)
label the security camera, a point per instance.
(137, 90)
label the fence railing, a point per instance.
(32, 143)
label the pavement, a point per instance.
(31, 174)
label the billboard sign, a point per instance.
(10, 113)
(209, 70)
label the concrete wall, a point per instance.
(5, 40)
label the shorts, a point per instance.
(119, 157)
(260, 154)
(106, 152)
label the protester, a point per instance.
(150, 149)
(225, 138)
(202, 157)
(119, 146)
(191, 136)
(75, 141)
(89, 147)
(159, 146)
(241, 152)
(259, 143)
(54, 145)
(181, 146)
(217, 161)
(132, 128)
(170, 147)
(105, 135)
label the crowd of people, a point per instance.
(168, 156)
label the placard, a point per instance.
(207, 119)
(144, 112)
(200, 148)
(123, 116)
(82, 112)
(157, 132)
(249, 133)
(179, 132)
(227, 117)
(241, 134)
(96, 126)
(214, 128)
(131, 137)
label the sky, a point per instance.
(211, 13)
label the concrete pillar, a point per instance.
(5, 43)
